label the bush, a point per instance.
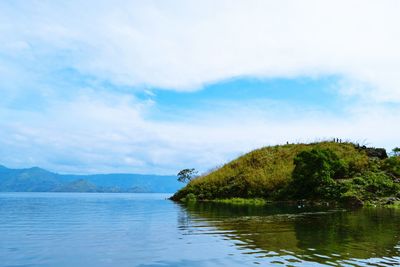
(314, 174)
(190, 197)
(392, 166)
(372, 185)
(379, 184)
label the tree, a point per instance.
(396, 151)
(315, 171)
(186, 175)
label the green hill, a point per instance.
(324, 170)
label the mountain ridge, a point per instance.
(36, 179)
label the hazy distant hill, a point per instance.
(39, 180)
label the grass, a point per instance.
(242, 201)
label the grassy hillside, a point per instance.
(267, 173)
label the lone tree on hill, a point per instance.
(396, 151)
(186, 175)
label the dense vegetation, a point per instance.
(317, 171)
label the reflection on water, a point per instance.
(300, 237)
(102, 230)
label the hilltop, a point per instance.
(40, 180)
(329, 171)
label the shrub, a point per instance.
(190, 197)
(314, 173)
(392, 166)
(373, 184)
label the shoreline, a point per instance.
(386, 202)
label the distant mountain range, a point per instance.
(39, 180)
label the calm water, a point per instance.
(68, 229)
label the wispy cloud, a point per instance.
(183, 45)
(110, 133)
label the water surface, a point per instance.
(79, 229)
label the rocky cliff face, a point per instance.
(373, 152)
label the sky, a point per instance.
(158, 86)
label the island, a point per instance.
(343, 173)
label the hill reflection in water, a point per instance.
(297, 237)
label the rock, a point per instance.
(351, 201)
(373, 152)
(391, 200)
(379, 153)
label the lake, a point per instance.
(90, 229)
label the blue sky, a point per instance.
(157, 86)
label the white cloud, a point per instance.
(109, 133)
(80, 126)
(183, 45)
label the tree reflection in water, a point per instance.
(368, 236)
